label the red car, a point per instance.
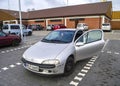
(58, 26)
(6, 39)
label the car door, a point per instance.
(89, 44)
(3, 39)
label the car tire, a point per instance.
(15, 42)
(29, 33)
(69, 66)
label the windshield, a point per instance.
(60, 36)
(106, 24)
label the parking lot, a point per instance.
(101, 70)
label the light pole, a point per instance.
(20, 18)
(8, 4)
(67, 2)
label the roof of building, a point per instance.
(116, 15)
(77, 10)
(100, 8)
(5, 16)
(15, 13)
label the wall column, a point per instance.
(103, 19)
(65, 22)
(46, 22)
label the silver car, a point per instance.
(61, 49)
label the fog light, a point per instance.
(49, 71)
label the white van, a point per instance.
(15, 29)
(82, 26)
(106, 27)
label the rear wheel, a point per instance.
(29, 33)
(69, 66)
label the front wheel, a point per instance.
(69, 66)
(15, 43)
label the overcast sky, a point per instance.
(45, 4)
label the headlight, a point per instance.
(51, 61)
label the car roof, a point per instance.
(69, 29)
(11, 24)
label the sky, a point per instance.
(45, 4)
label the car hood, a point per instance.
(43, 51)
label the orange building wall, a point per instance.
(93, 23)
(70, 24)
(115, 25)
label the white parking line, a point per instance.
(81, 74)
(86, 67)
(11, 50)
(102, 51)
(2, 52)
(19, 48)
(116, 53)
(90, 62)
(5, 68)
(18, 63)
(90, 65)
(105, 44)
(7, 51)
(74, 83)
(12, 66)
(78, 78)
(109, 52)
(84, 70)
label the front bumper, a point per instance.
(46, 69)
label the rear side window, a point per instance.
(94, 36)
(5, 27)
(15, 27)
(106, 24)
(91, 36)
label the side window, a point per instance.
(15, 27)
(83, 39)
(94, 36)
(23, 27)
(2, 34)
(91, 36)
(5, 27)
(78, 34)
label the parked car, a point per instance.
(58, 26)
(106, 27)
(35, 27)
(6, 39)
(15, 29)
(50, 27)
(82, 26)
(57, 52)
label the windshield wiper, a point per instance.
(54, 41)
(58, 41)
(45, 40)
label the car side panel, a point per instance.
(90, 49)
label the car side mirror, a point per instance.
(79, 44)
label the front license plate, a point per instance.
(32, 67)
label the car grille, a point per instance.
(45, 66)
